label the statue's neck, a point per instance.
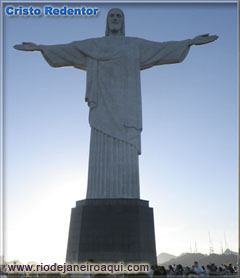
(115, 33)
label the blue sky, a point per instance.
(189, 163)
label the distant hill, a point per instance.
(14, 262)
(164, 257)
(229, 252)
(187, 259)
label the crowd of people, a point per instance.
(194, 271)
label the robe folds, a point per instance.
(113, 94)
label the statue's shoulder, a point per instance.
(108, 41)
(88, 41)
(136, 40)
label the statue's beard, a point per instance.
(115, 29)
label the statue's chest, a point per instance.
(121, 49)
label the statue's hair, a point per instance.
(122, 31)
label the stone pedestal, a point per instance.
(111, 230)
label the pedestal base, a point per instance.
(112, 230)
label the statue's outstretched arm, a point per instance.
(203, 39)
(28, 46)
(60, 55)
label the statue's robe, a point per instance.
(113, 94)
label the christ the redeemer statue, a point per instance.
(113, 64)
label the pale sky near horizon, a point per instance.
(189, 163)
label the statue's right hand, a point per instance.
(27, 46)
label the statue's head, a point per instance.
(115, 23)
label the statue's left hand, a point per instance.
(27, 46)
(202, 39)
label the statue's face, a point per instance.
(115, 20)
